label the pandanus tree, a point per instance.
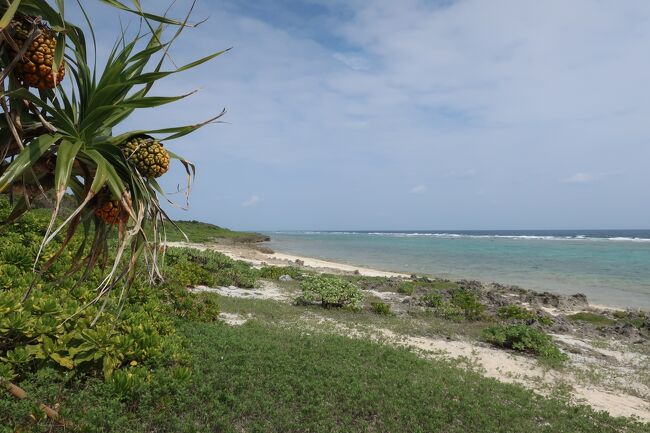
(59, 114)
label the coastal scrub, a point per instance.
(331, 292)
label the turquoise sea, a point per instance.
(611, 267)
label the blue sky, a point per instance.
(376, 114)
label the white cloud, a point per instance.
(252, 201)
(522, 91)
(580, 178)
(418, 189)
(354, 62)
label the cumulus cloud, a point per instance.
(252, 201)
(418, 189)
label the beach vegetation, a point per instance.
(275, 272)
(193, 267)
(331, 292)
(524, 338)
(62, 330)
(379, 307)
(433, 300)
(592, 318)
(261, 377)
(469, 303)
(200, 232)
(406, 288)
(638, 319)
(519, 313)
(461, 304)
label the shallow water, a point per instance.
(610, 267)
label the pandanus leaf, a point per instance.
(9, 14)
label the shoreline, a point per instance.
(247, 252)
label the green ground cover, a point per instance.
(593, 318)
(203, 232)
(264, 378)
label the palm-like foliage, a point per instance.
(62, 139)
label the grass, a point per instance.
(594, 319)
(203, 232)
(263, 378)
(425, 323)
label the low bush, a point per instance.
(193, 267)
(53, 328)
(593, 318)
(517, 312)
(330, 292)
(524, 338)
(638, 319)
(460, 304)
(433, 300)
(406, 288)
(275, 272)
(469, 303)
(380, 308)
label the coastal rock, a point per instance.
(285, 278)
(545, 298)
(578, 300)
(627, 330)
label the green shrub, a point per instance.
(469, 303)
(190, 267)
(275, 272)
(462, 304)
(406, 287)
(523, 338)
(380, 308)
(637, 319)
(515, 312)
(594, 319)
(433, 300)
(52, 328)
(330, 292)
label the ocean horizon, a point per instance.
(611, 267)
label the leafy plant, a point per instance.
(51, 328)
(517, 312)
(380, 308)
(60, 138)
(331, 292)
(406, 288)
(469, 303)
(593, 318)
(461, 304)
(275, 272)
(193, 268)
(524, 338)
